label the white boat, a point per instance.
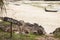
(51, 9)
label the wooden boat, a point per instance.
(50, 10)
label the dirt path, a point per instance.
(47, 38)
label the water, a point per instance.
(49, 20)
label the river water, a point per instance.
(32, 14)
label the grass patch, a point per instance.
(4, 23)
(24, 37)
(6, 36)
(57, 35)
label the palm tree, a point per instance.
(1, 5)
(2, 8)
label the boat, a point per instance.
(51, 9)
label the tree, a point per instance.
(1, 5)
(2, 8)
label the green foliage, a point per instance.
(23, 37)
(6, 36)
(1, 5)
(4, 23)
(57, 35)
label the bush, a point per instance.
(4, 23)
(6, 36)
(57, 35)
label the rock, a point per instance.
(23, 27)
(57, 31)
(11, 20)
(33, 28)
(4, 28)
